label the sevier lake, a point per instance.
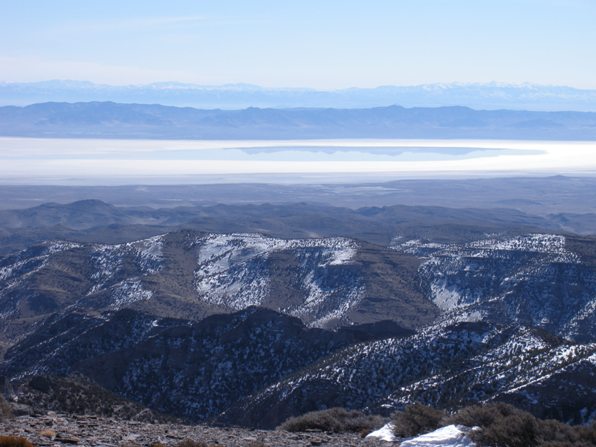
(109, 161)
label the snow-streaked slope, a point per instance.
(108, 260)
(533, 279)
(190, 369)
(316, 280)
(58, 274)
(234, 271)
(441, 366)
(14, 268)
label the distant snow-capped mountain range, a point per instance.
(232, 96)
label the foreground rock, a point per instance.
(56, 429)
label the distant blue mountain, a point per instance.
(113, 120)
(237, 96)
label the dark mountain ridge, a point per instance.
(190, 369)
(446, 367)
(113, 120)
(99, 222)
(236, 96)
(257, 367)
(327, 282)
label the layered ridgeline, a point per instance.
(326, 282)
(249, 329)
(115, 120)
(97, 221)
(237, 96)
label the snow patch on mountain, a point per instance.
(385, 433)
(443, 296)
(533, 279)
(317, 298)
(149, 253)
(128, 292)
(549, 244)
(14, 269)
(233, 271)
(584, 318)
(336, 250)
(449, 436)
(60, 246)
(107, 260)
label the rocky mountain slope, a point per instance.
(295, 325)
(534, 280)
(511, 307)
(446, 367)
(100, 222)
(191, 370)
(59, 429)
(326, 282)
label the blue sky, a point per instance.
(301, 43)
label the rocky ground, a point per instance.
(55, 429)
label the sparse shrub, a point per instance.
(191, 443)
(587, 433)
(567, 444)
(48, 433)
(416, 419)
(257, 443)
(14, 441)
(516, 430)
(553, 432)
(335, 420)
(130, 444)
(482, 415)
(5, 410)
(505, 425)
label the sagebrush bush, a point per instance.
(191, 443)
(257, 443)
(588, 433)
(516, 430)
(335, 420)
(14, 441)
(5, 410)
(499, 425)
(416, 419)
(505, 425)
(482, 415)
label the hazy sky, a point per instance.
(309, 43)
